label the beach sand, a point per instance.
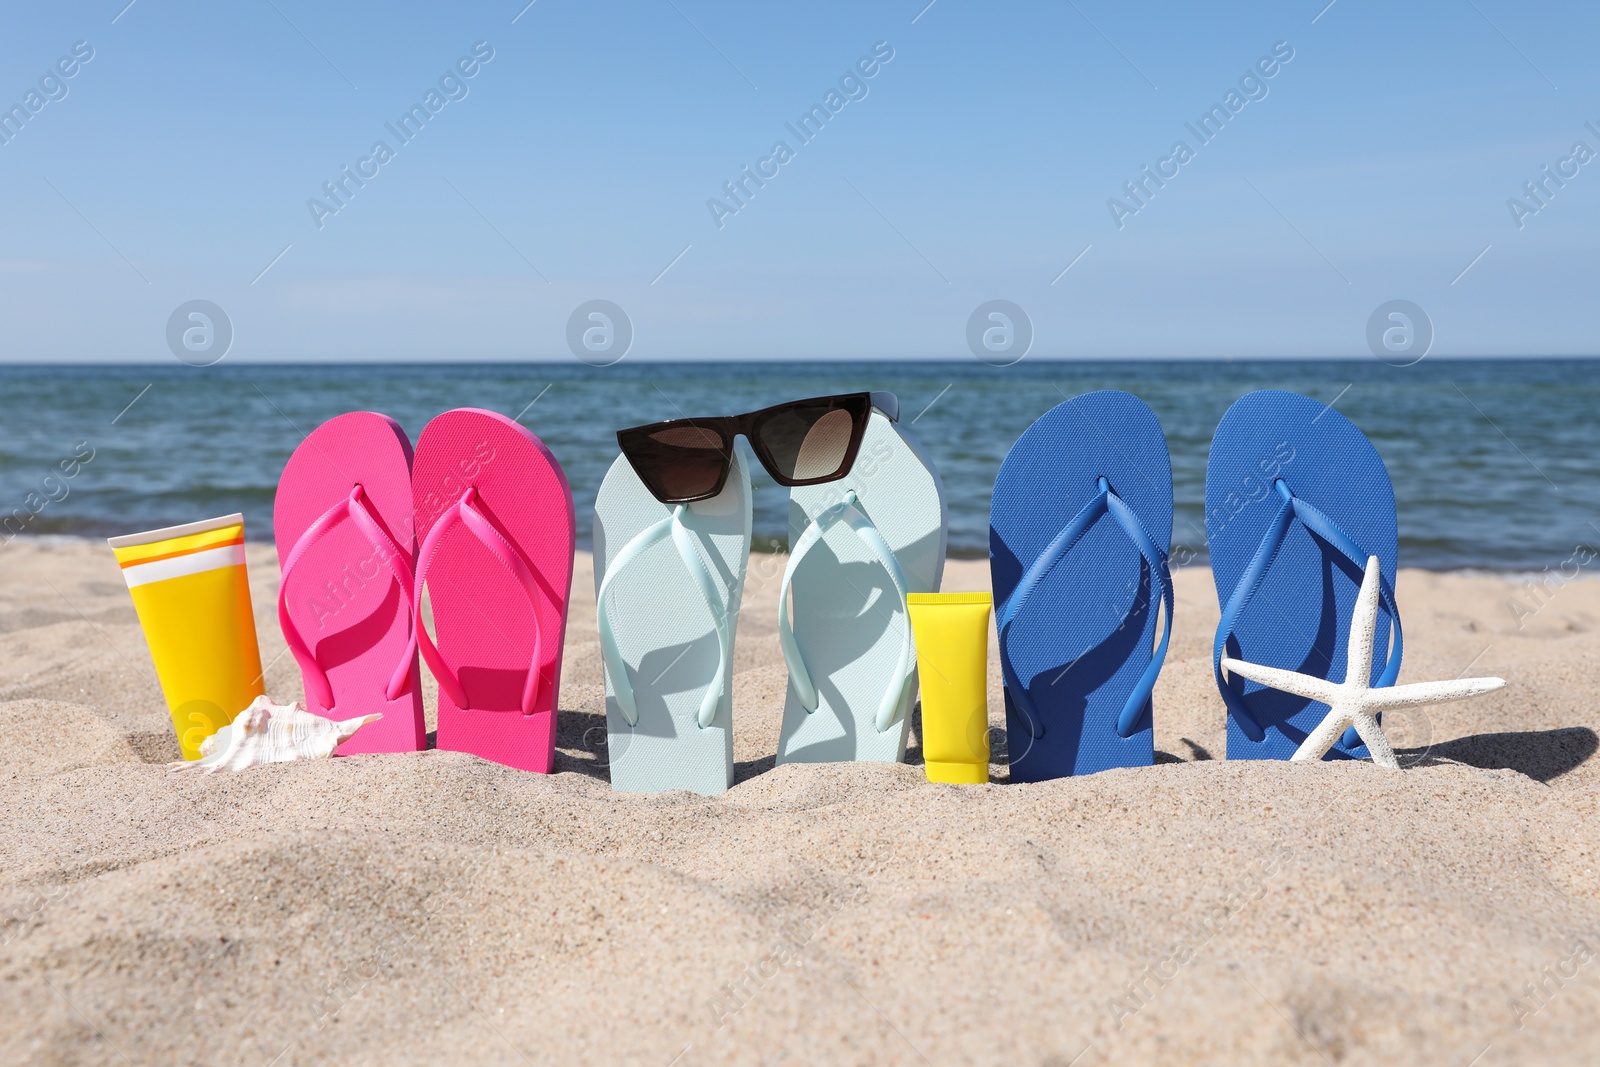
(433, 908)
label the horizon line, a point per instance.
(795, 360)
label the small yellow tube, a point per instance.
(192, 594)
(952, 635)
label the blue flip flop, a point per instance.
(1296, 500)
(1078, 536)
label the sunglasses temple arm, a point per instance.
(887, 403)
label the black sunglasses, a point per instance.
(802, 442)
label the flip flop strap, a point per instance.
(684, 540)
(509, 556)
(1330, 533)
(850, 511)
(1105, 502)
(353, 508)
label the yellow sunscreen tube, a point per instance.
(193, 598)
(952, 635)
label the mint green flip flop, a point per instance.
(859, 545)
(668, 580)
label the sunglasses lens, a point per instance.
(808, 441)
(678, 462)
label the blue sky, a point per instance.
(977, 165)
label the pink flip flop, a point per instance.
(342, 521)
(494, 514)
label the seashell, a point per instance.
(271, 733)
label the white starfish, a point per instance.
(1354, 702)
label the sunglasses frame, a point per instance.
(728, 427)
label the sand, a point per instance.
(434, 908)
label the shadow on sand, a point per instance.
(581, 744)
(1540, 754)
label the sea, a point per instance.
(1495, 463)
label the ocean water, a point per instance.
(1496, 464)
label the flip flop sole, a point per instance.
(342, 598)
(1084, 637)
(1299, 619)
(487, 629)
(666, 635)
(848, 622)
